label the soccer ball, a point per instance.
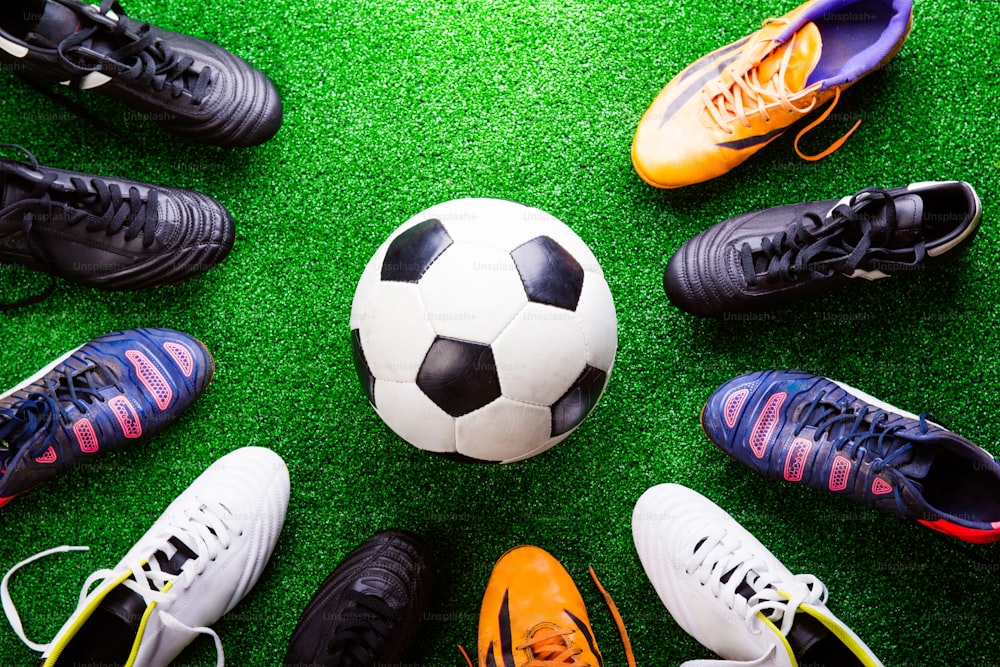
(483, 330)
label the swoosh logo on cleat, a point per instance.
(585, 631)
(695, 86)
(506, 645)
(750, 142)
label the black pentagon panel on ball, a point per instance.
(411, 253)
(578, 401)
(361, 366)
(551, 275)
(459, 376)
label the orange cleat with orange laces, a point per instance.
(533, 615)
(728, 105)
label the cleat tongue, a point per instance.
(909, 218)
(745, 587)
(13, 190)
(57, 23)
(806, 637)
(918, 467)
(173, 564)
(806, 46)
(908, 229)
(124, 605)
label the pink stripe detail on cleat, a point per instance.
(126, 415)
(151, 377)
(731, 411)
(85, 436)
(760, 436)
(48, 457)
(839, 473)
(880, 487)
(182, 356)
(796, 461)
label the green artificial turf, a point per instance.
(394, 106)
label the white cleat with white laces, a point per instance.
(730, 593)
(200, 558)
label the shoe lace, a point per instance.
(204, 531)
(727, 104)
(79, 388)
(731, 571)
(140, 57)
(30, 300)
(861, 433)
(550, 648)
(360, 635)
(807, 249)
(103, 206)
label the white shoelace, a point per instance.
(719, 554)
(203, 530)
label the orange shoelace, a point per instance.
(619, 623)
(747, 94)
(550, 648)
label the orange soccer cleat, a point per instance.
(533, 615)
(728, 105)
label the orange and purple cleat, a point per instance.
(534, 616)
(728, 105)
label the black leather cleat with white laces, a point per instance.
(190, 86)
(105, 232)
(368, 611)
(765, 259)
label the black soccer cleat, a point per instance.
(189, 86)
(368, 611)
(105, 232)
(769, 258)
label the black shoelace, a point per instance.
(362, 635)
(857, 432)
(140, 57)
(80, 389)
(861, 434)
(102, 206)
(808, 250)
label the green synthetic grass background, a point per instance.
(394, 106)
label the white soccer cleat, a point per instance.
(730, 593)
(200, 558)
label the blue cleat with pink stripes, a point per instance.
(115, 390)
(810, 430)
